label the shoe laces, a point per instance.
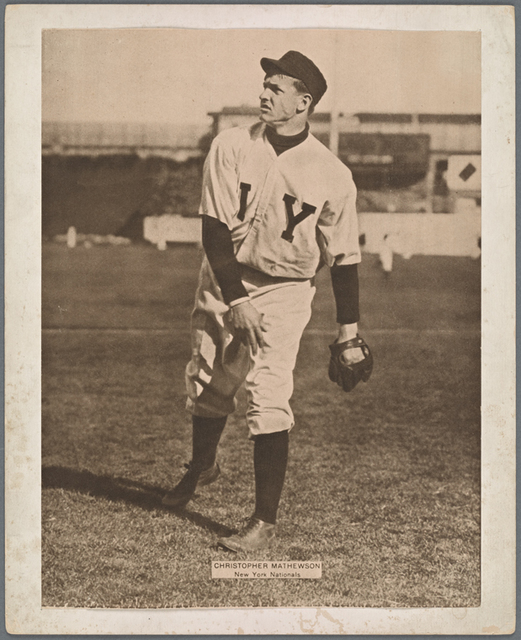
(250, 523)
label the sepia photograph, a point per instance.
(261, 321)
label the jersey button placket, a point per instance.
(264, 200)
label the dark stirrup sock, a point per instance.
(206, 433)
(270, 459)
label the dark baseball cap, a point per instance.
(296, 65)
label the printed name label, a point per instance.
(249, 569)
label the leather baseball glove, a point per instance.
(350, 362)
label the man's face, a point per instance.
(279, 99)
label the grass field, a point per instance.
(383, 484)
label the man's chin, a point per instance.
(265, 116)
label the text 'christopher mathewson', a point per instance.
(266, 569)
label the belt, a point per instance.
(261, 279)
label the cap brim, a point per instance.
(270, 65)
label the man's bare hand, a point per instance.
(353, 356)
(248, 325)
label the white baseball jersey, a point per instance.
(285, 212)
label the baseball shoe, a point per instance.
(256, 535)
(183, 492)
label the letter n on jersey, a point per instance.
(293, 220)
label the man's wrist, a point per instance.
(237, 301)
(347, 332)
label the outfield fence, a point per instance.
(408, 234)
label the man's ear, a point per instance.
(304, 102)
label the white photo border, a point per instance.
(24, 614)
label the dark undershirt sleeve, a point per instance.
(218, 246)
(345, 289)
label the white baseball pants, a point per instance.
(221, 363)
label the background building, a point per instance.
(178, 142)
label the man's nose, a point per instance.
(263, 95)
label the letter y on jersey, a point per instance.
(293, 220)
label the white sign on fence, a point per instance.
(464, 173)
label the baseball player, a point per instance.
(276, 204)
(386, 255)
